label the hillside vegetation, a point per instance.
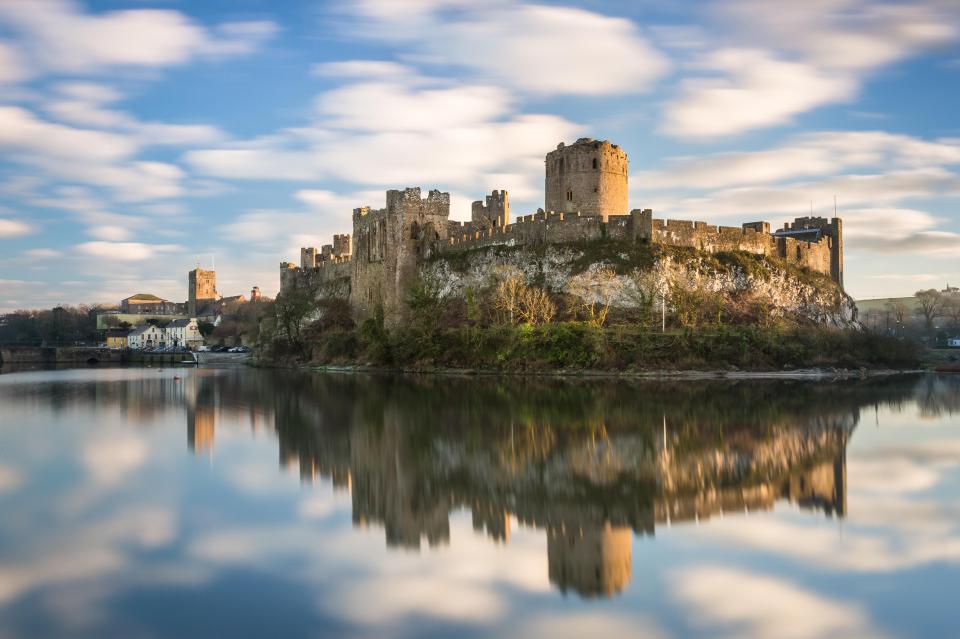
(597, 305)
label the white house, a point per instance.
(145, 336)
(953, 342)
(183, 332)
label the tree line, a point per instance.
(61, 325)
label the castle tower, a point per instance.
(493, 212)
(594, 560)
(589, 176)
(810, 229)
(387, 246)
(341, 245)
(201, 288)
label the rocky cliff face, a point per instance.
(786, 291)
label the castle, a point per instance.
(586, 187)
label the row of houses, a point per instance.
(179, 333)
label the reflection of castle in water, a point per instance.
(591, 466)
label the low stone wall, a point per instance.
(325, 274)
(57, 355)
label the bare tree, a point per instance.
(597, 291)
(899, 310)
(536, 307)
(951, 310)
(929, 306)
(507, 291)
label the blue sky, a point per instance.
(141, 137)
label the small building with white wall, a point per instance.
(183, 332)
(145, 336)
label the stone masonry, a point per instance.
(589, 177)
(201, 288)
(586, 199)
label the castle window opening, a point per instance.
(569, 195)
(594, 164)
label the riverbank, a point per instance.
(583, 349)
(811, 374)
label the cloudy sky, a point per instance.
(141, 137)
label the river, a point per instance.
(233, 502)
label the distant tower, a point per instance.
(255, 294)
(201, 288)
(589, 176)
(492, 212)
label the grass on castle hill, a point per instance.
(579, 345)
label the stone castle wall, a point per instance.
(640, 225)
(390, 242)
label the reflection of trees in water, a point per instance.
(938, 395)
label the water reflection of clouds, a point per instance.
(750, 605)
(112, 457)
(10, 478)
(144, 516)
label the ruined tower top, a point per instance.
(588, 176)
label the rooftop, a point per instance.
(145, 297)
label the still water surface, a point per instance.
(233, 503)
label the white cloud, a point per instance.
(851, 34)
(12, 67)
(455, 155)
(750, 89)
(896, 231)
(59, 36)
(132, 181)
(809, 154)
(754, 605)
(14, 228)
(367, 69)
(83, 104)
(20, 130)
(769, 66)
(125, 251)
(764, 184)
(533, 48)
(41, 253)
(394, 107)
(110, 232)
(794, 199)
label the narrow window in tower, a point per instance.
(594, 164)
(569, 195)
(561, 164)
